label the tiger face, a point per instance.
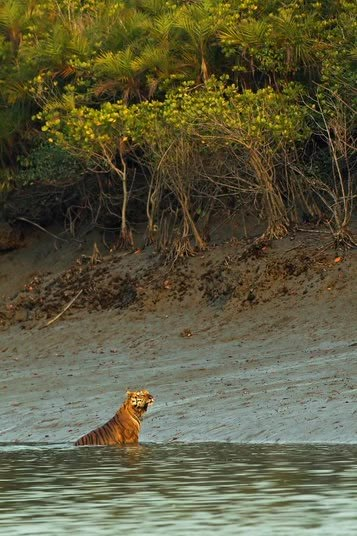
(140, 400)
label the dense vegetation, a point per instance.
(170, 112)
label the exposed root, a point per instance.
(125, 241)
(343, 239)
(275, 231)
(179, 248)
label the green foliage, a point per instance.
(217, 110)
(218, 74)
(48, 163)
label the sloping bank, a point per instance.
(284, 371)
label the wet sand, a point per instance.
(279, 369)
(277, 373)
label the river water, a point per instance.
(178, 489)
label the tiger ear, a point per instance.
(129, 393)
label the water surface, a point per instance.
(178, 490)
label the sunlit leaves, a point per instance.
(140, 50)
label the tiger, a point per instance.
(125, 426)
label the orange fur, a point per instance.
(125, 426)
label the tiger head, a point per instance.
(139, 400)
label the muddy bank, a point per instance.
(225, 366)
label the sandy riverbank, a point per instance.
(282, 369)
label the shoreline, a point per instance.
(278, 370)
(229, 388)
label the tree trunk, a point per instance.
(125, 233)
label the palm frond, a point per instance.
(295, 37)
(159, 63)
(119, 65)
(81, 45)
(194, 20)
(50, 52)
(12, 15)
(130, 27)
(118, 71)
(154, 7)
(14, 91)
(247, 34)
(14, 19)
(163, 26)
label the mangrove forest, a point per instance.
(160, 115)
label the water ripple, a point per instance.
(178, 489)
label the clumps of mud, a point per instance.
(222, 277)
(219, 283)
(94, 288)
(101, 289)
(263, 276)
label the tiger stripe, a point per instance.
(125, 426)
